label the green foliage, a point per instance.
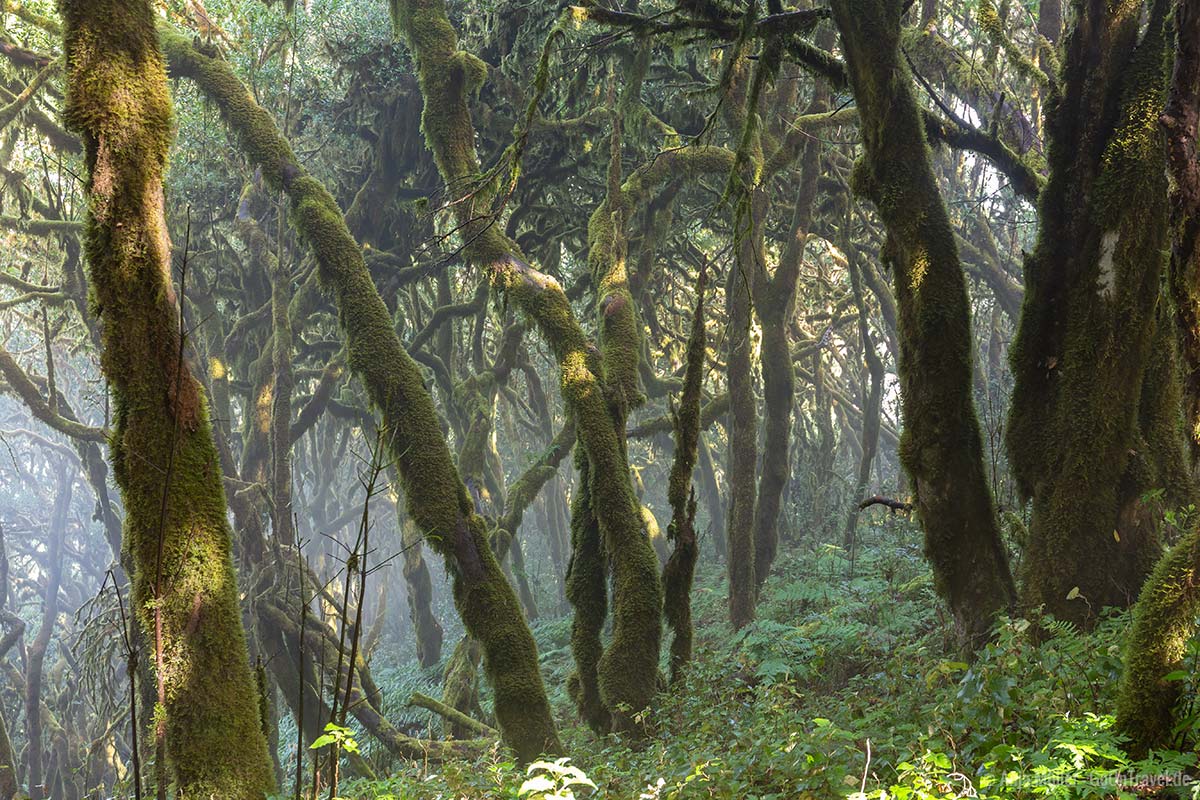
(553, 780)
(849, 685)
(337, 736)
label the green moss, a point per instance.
(941, 447)
(435, 495)
(1164, 622)
(586, 591)
(749, 224)
(460, 684)
(628, 669)
(1081, 445)
(119, 104)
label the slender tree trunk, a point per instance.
(426, 628)
(775, 304)
(871, 408)
(36, 654)
(743, 413)
(710, 489)
(681, 564)
(282, 521)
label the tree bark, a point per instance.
(162, 451)
(1090, 428)
(941, 446)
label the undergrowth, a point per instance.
(847, 685)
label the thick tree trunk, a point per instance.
(1080, 441)
(941, 447)
(1164, 619)
(162, 449)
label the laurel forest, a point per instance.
(632, 399)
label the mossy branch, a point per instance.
(436, 497)
(25, 388)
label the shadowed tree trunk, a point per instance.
(941, 447)
(681, 564)
(1092, 427)
(871, 408)
(1164, 619)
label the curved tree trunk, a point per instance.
(434, 492)
(162, 449)
(941, 447)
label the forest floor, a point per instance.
(847, 685)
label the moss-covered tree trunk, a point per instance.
(627, 671)
(742, 466)
(434, 492)
(680, 568)
(162, 449)
(1091, 429)
(941, 447)
(1164, 618)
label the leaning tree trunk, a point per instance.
(1078, 439)
(941, 446)
(593, 384)
(162, 449)
(434, 492)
